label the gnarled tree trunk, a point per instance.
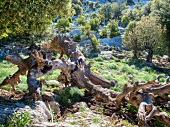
(75, 70)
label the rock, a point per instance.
(20, 104)
(115, 41)
(55, 107)
(73, 32)
(83, 43)
(94, 125)
(41, 112)
(49, 96)
(165, 58)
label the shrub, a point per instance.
(103, 33)
(113, 28)
(125, 20)
(78, 9)
(94, 23)
(77, 37)
(70, 95)
(116, 89)
(81, 20)
(62, 24)
(95, 43)
(18, 120)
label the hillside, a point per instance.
(85, 63)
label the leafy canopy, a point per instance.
(31, 16)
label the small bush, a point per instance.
(18, 120)
(95, 43)
(103, 33)
(99, 58)
(112, 66)
(70, 95)
(116, 89)
(77, 37)
(131, 108)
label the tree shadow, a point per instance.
(141, 63)
(9, 106)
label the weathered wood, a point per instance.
(76, 71)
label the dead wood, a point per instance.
(75, 71)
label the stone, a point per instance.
(94, 125)
(55, 106)
(49, 96)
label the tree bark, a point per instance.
(149, 56)
(75, 70)
(135, 56)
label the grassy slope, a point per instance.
(122, 69)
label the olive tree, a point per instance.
(161, 9)
(111, 11)
(130, 39)
(150, 35)
(30, 17)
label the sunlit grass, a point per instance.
(7, 69)
(110, 69)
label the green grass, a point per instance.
(121, 69)
(7, 69)
(52, 75)
(22, 119)
(109, 68)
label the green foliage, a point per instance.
(78, 9)
(130, 2)
(86, 30)
(4, 72)
(93, 6)
(146, 9)
(113, 28)
(116, 89)
(125, 20)
(146, 34)
(111, 11)
(95, 120)
(70, 95)
(62, 24)
(150, 35)
(158, 124)
(34, 17)
(103, 33)
(94, 23)
(161, 9)
(77, 37)
(100, 109)
(94, 15)
(131, 108)
(79, 2)
(106, 11)
(120, 70)
(94, 42)
(18, 120)
(81, 20)
(52, 75)
(130, 38)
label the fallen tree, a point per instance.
(75, 70)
